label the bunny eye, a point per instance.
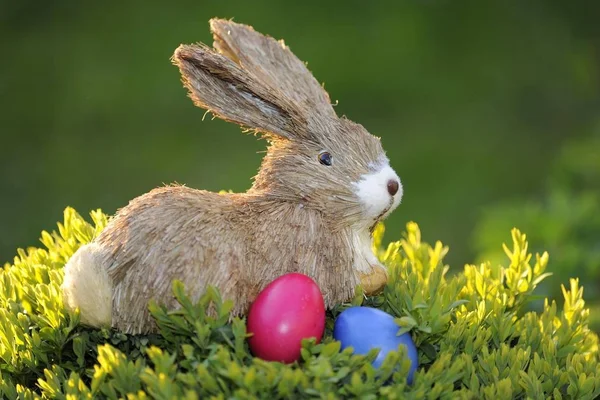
(325, 158)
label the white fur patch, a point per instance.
(87, 286)
(372, 190)
(365, 258)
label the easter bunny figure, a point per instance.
(323, 185)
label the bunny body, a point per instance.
(322, 186)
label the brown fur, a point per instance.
(299, 216)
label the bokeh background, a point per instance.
(489, 112)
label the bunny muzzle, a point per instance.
(379, 192)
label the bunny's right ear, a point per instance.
(220, 86)
(271, 61)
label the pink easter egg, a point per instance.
(289, 309)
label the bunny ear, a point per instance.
(273, 62)
(219, 85)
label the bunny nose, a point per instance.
(392, 187)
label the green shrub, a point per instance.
(475, 340)
(564, 220)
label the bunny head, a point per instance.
(314, 158)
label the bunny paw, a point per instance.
(373, 282)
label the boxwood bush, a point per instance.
(564, 219)
(475, 338)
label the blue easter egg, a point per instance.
(365, 328)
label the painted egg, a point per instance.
(365, 328)
(288, 310)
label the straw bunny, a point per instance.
(323, 185)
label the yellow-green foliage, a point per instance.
(475, 338)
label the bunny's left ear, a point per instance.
(219, 85)
(273, 63)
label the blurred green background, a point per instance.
(475, 103)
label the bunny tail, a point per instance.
(87, 287)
